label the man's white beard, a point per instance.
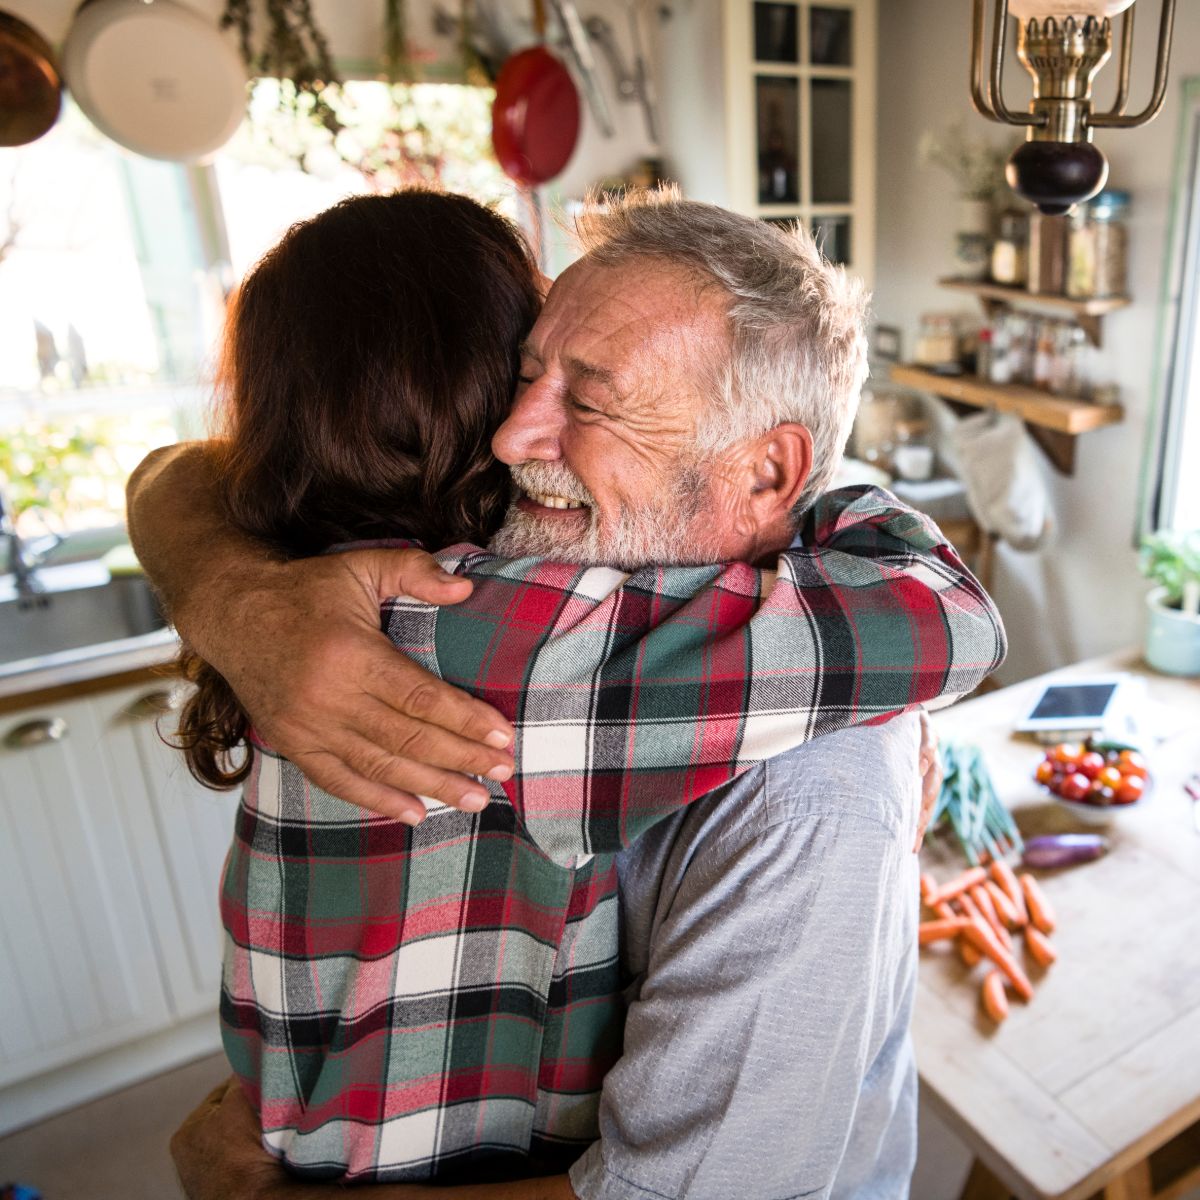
(657, 533)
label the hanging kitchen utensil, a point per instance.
(535, 116)
(633, 83)
(155, 76)
(30, 83)
(581, 53)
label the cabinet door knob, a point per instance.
(36, 733)
(152, 704)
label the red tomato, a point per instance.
(1131, 789)
(1045, 773)
(1091, 764)
(1075, 786)
(1067, 753)
(1109, 777)
(1132, 763)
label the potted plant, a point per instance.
(977, 168)
(1172, 561)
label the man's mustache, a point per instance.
(551, 479)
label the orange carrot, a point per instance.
(1003, 874)
(981, 935)
(945, 910)
(968, 953)
(968, 906)
(938, 931)
(995, 1001)
(1040, 911)
(1004, 906)
(928, 886)
(1040, 947)
(968, 879)
(983, 902)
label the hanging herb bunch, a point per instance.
(294, 51)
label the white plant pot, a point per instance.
(1172, 637)
(973, 239)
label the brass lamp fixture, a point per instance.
(1062, 44)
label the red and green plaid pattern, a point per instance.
(404, 1004)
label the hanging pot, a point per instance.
(535, 116)
(156, 77)
(30, 83)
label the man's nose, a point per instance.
(533, 428)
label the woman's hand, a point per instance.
(301, 646)
(930, 766)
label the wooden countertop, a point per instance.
(1103, 1066)
(81, 673)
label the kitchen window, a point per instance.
(1174, 494)
(114, 269)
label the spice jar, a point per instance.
(1009, 248)
(1099, 247)
(1047, 254)
(875, 426)
(937, 343)
(913, 453)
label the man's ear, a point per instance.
(781, 464)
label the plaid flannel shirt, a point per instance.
(444, 1001)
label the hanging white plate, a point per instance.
(155, 76)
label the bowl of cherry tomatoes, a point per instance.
(1092, 779)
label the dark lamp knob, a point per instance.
(1056, 175)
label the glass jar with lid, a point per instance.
(1009, 248)
(1099, 245)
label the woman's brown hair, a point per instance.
(367, 360)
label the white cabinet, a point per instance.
(110, 859)
(769, 107)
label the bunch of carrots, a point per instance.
(981, 909)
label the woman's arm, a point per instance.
(633, 695)
(301, 646)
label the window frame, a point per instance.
(1177, 366)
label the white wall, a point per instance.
(1081, 595)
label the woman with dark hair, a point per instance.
(443, 1001)
(368, 359)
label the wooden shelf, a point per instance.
(1086, 313)
(1054, 421)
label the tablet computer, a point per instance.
(1075, 706)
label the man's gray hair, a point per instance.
(797, 322)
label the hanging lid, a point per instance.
(155, 76)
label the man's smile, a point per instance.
(540, 504)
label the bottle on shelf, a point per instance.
(1009, 249)
(983, 353)
(1043, 356)
(1001, 361)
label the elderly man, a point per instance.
(770, 928)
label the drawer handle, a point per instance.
(36, 733)
(152, 704)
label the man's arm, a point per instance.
(219, 1156)
(300, 644)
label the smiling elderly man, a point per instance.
(769, 930)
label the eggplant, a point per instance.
(1063, 850)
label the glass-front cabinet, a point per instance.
(800, 90)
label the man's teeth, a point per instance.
(554, 501)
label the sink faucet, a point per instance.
(24, 557)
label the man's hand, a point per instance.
(326, 688)
(219, 1156)
(300, 644)
(931, 776)
(218, 1151)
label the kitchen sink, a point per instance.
(78, 605)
